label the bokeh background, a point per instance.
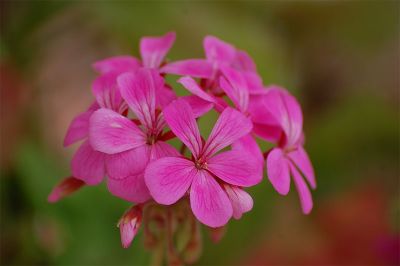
(340, 59)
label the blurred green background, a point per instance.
(340, 59)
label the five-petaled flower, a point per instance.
(169, 178)
(130, 147)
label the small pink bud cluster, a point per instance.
(125, 134)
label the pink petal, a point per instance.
(234, 85)
(180, 118)
(198, 105)
(278, 171)
(241, 201)
(128, 163)
(287, 112)
(198, 68)
(139, 90)
(248, 145)
(191, 85)
(164, 96)
(117, 64)
(220, 104)
(259, 111)
(133, 188)
(107, 94)
(162, 149)
(235, 168)
(230, 126)
(254, 83)
(65, 188)
(301, 160)
(78, 129)
(244, 62)
(88, 164)
(128, 232)
(110, 132)
(218, 50)
(169, 178)
(304, 193)
(209, 202)
(268, 132)
(154, 49)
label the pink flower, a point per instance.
(124, 136)
(250, 103)
(218, 53)
(222, 54)
(246, 100)
(88, 164)
(289, 158)
(169, 178)
(130, 147)
(153, 51)
(129, 225)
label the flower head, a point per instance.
(169, 178)
(125, 136)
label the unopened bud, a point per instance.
(64, 188)
(129, 225)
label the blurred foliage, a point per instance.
(339, 58)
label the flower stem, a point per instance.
(172, 256)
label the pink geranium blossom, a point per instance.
(222, 54)
(234, 84)
(218, 54)
(124, 136)
(153, 51)
(289, 158)
(88, 164)
(130, 146)
(169, 178)
(246, 100)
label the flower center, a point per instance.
(151, 139)
(200, 164)
(290, 149)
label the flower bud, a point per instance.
(129, 225)
(64, 188)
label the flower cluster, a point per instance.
(126, 130)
